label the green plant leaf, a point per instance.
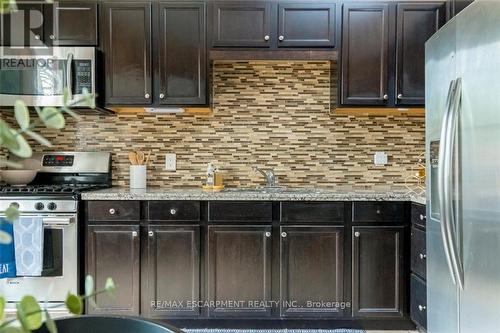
(11, 329)
(22, 114)
(7, 136)
(109, 286)
(52, 117)
(49, 323)
(74, 304)
(2, 309)
(89, 285)
(23, 148)
(11, 213)
(72, 114)
(29, 313)
(38, 138)
(5, 238)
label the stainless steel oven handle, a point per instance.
(69, 75)
(51, 221)
(451, 221)
(442, 156)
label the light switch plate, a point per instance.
(170, 162)
(380, 158)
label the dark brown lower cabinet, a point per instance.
(173, 271)
(239, 271)
(114, 251)
(311, 271)
(378, 275)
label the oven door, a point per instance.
(60, 264)
(39, 76)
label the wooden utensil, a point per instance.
(147, 158)
(132, 156)
(140, 157)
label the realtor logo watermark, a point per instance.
(258, 304)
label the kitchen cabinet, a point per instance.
(456, 6)
(365, 54)
(182, 53)
(24, 27)
(72, 23)
(127, 48)
(378, 286)
(239, 268)
(173, 271)
(114, 251)
(383, 51)
(311, 271)
(418, 287)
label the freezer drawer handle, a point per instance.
(421, 308)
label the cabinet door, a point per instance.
(173, 254)
(71, 23)
(416, 22)
(365, 48)
(241, 24)
(456, 6)
(311, 271)
(306, 25)
(23, 27)
(113, 251)
(239, 269)
(378, 286)
(127, 49)
(182, 53)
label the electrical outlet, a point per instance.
(380, 158)
(170, 162)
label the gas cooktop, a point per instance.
(71, 189)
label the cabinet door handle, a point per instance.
(400, 96)
(37, 37)
(112, 211)
(162, 96)
(134, 233)
(283, 234)
(52, 37)
(357, 234)
(422, 217)
(421, 307)
(173, 211)
(266, 37)
(422, 256)
(281, 38)
(385, 97)
(151, 233)
(146, 95)
(268, 234)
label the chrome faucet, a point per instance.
(269, 174)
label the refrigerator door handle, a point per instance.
(451, 221)
(442, 177)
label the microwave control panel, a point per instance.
(83, 77)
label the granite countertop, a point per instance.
(382, 193)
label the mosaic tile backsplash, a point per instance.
(268, 114)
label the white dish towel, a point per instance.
(28, 242)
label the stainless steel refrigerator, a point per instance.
(463, 168)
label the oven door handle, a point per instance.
(50, 221)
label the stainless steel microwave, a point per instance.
(39, 75)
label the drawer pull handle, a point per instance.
(378, 211)
(268, 234)
(112, 211)
(173, 211)
(422, 256)
(266, 37)
(422, 217)
(421, 307)
(134, 233)
(281, 38)
(151, 234)
(283, 234)
(357, 234)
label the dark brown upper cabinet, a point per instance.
(71, 23)
(173, 271)
(365, 54)
(416, 23)
(378, 273)
(241, 24)
(127, 48)
(182, 53)
(114, 251)
(306, 24)
(311, 270)
(383, 51)
(456, 6)
(25, 26)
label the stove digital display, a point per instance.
(58, 160)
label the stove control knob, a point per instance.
(39, 206)
(52, 206)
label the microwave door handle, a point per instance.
(69, 76)
(442, 179)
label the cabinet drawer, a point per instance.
(377, 211)
(418, 301)
(231, 211)
(173, 210)
(418, 253)
(418, 214)
(113, 211)
(312, 211)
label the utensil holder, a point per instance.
(138, 176)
